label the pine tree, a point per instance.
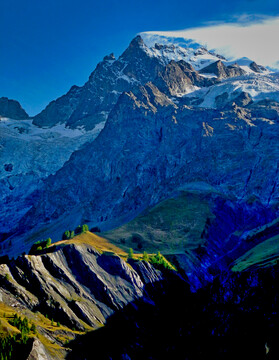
(48, 242)
(78, 230)
(145, 256)
(66, 235)
(84, 228)
(33, 328)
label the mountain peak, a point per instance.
(109, 57)
(136, 48)
(12, 109)
(217, 68)
(222, 71)
(137, 41)
(256, 67)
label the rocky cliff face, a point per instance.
(222, 71)
(90, 104)
(12, 109)
(159, 149)
(180, 78)
(181, 127)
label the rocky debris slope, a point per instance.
(75, 284)
(38, 351)
(12, 109)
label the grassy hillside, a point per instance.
(99, 243)
(266, 250)
(51, 334)
(262, 255)
(172, 226)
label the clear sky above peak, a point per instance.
(48, 46)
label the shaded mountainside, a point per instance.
(79, 116)
(140, 159)
(264, 243)
(235, 317)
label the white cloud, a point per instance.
(255, 37)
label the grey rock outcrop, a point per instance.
(179, 78)
(222, 71)
(221, 100)
(257, 68)
(12, 109)
(75, 284)
(242, 100)
(38, 352)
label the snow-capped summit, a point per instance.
(151, 38)
(145, 59)
(90, 104)
(195, 54)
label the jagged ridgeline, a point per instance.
(64, 290)
(169, 155)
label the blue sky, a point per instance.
(47, 46)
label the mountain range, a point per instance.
(140, 103)
(168, 148)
